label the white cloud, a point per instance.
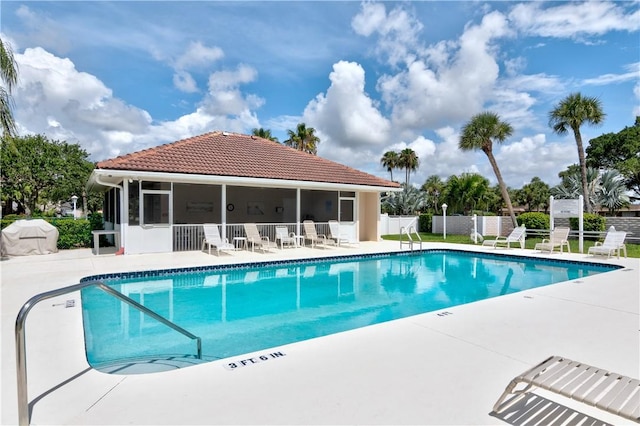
(423, 96)
(397, 31)
(184, 82)
(55, 99)
(574, 20)
(516, 167)
(197, 56)
(42, 31)
(603, 80)
(224, 96)
(346, 115)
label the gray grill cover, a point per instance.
(26, 237)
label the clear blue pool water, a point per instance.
(237, 310)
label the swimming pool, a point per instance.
(252, 307)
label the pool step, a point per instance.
(150, 365)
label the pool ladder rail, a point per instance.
(410, 241)
(20, 336)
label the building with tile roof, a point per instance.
(157, 199)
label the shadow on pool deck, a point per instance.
(533, 409)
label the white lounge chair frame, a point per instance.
(255, 239)
(607, 391)
(285, 237)
(339, 238)
(212, 239)
(613, 243)
(516, 236)
(559, 238)
(311, 234)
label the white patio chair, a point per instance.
(612, 244)
(285, 237)
(517, 236)
(339, 238)
(212, 239)
(255, 239)
(595, 386)
(311, 234)
(559, 238)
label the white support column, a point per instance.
(223, 211)
(551, 220)
(124, 214)
(581, 225)
(298, 212)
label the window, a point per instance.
(156, 203)
(134, 203)
(155, 208)
(347, 210)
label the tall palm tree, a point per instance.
(480, 133)
(390, 160)
(571, 113)
(408, 160)
(303, 139)
(264, 134)
(9, 76)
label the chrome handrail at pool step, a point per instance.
(408, 231)
(21, 347)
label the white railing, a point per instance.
(189, 237)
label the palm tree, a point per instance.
(479, 133)
(390, 160)
(535, 194)
(612, 191)
(408, 160)
(606, 189)
(303, 139)
(571, 185)
(571, 113)
(434, 188)
(264, 134)
(9, 76)
(407, 202)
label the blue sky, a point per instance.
(117, 77)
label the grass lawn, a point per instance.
(633, 250)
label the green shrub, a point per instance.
(73, 233)
(96, 221)
(591, 222)
(424, 222)
(534, 220)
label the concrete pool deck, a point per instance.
(424, 369)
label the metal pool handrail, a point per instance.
(21, 347)
(408, 232)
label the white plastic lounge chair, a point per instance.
(339, 238)
(255, 239)
(559, 238)
(607, 391)
(212, 239)
(285, 237)
(612, 244)
(517, 236)
(311, 234)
